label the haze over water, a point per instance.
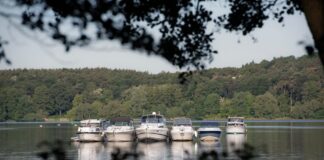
(272, 140)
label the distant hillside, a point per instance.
(282, 88)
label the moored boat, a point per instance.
(182, 129)
(236, 125)
(209, 131)
(120, 129)
(152, 128)
(90, 130)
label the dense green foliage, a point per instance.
(282, 88)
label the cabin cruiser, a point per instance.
(182, 130)
(120, 129)
(152, 128)
(235, 125)
(209, 131)
(90, 130)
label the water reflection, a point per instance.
(89, 151)
(275, 143)
(156, 150)
(123, 146)
(208, 146)
(182, 150)
(235, 142)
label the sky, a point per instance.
(33, 50)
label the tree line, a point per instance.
(285, 87)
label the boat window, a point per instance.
(235, 120)
(90, 124)
(235, 124)
(182, 121)
(143, 120)
(154, 119)
(120, 124)
(209, 124)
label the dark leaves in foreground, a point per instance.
(118, 154)
(52, 149)
(2, 51)
(56, 150)
(175, 30)
(179, 25)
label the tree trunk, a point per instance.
(314, 13)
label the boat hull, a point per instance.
(209, 138)
(158, 134)
(90, 137)
(182, 135)
(235, 130)
(124, 136)
(209, 135)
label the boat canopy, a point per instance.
(121, 121)
(235, 119)
(153, 118)
(182, 121)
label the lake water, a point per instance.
(271, 140)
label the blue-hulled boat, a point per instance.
(209, 131)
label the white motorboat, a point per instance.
(209, 131)
(152, 128)
(182, 130)
(90, 130)
(236, 125)
(120, 129)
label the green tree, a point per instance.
(266, 105)
(136, 100)
(311, 90)
(61, 97)
(113, 109)
(241, 104)
(41, 98)
(211, 104)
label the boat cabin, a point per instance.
(153, 118)
(182, 122)
(91, 123)
(121, 121)
(235, 119)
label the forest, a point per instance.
(283, 88)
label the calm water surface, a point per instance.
(272, 140)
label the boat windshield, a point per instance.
(90, 124)
(120, 123)
(209, 124)
(235, 119)
(152, 119)
(182, 121)
(235, 124)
